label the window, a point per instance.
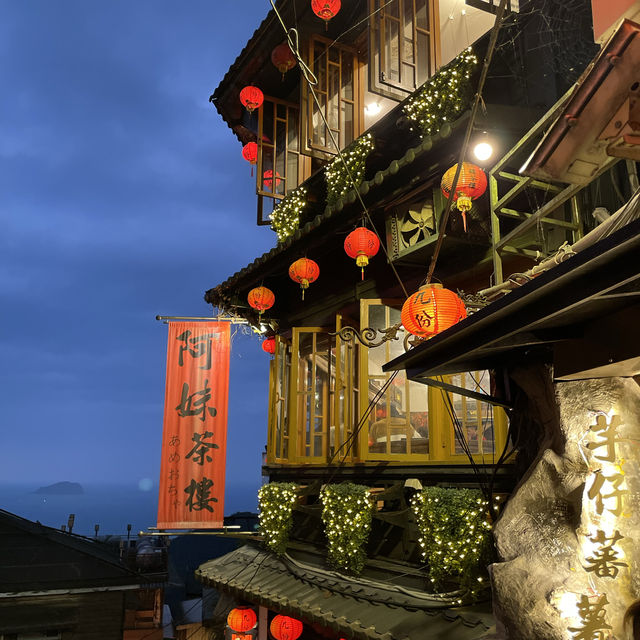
(278, 394)
(280, 166)
(404, 45)
(335, 67)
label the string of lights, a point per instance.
(275, 506)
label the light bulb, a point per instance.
(483, 151)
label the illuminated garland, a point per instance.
(454, 535)
(444, 96)
(346, 513)
(285, 218)
(355, 156)
(275, 506)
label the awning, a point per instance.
(580, 315)
(353, 608)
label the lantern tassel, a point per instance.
(464, 221)
(302, 292)
(252, 171)
(362, 269)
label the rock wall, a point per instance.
(569, 538)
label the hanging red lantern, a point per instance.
(261, 299)
(251, 98)
(304, 271)
(431, 310)
(268, 180)
(361, 244)
(472, 183)
(285, 628)
(325, 9)
(250, 153)
(283, 58)
(269, 345)
(242, 619)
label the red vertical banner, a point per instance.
(194, 440)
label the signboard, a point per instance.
(194, 438)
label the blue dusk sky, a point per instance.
(123, 195)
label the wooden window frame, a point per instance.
(378, 83)
(328, 152)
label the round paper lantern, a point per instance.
(268, 180)
(250, 152)
(325, 9)
(269, 345)
(251, 98)
(261, 298)
(283, 58)
(304, 271)
(285, 628)
(431, 310)
(242, 619)
(472, 183)
(361, 244)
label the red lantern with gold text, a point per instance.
(242, 619)
(361, 244)
(251, 98)
(285, 628)
(268, 181)
(431, 310)
(269, 345)
(283, 58)
(472, 183)
(304, 271)
(261, 299)
(250, 153)
(325, 9)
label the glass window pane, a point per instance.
(393, 9)
(392, 51)
(422, 14)
(292, 171)
(346, 134)
(422, 55)
(347, 76)
(292, 130)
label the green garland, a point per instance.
(443, 97)
(455, 535)
(355, 157)
(285, 218)
(275, 506)
(346, 514)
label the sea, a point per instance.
(110, 506)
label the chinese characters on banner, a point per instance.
(194, 439)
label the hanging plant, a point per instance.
(355, 157)
(275, 506)
(444, 96)
(454, 535)
(346, 513)
(285, 218)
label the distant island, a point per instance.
(62, 489)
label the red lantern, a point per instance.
(304, 271)
(283, 58)
(268, 180)
(362, 244)
(251, 98)
(472, 183)
(261, 298)
(242, 619)
(285, 628)
(325, 9)
(250, 153)
(431, 310)
(269, 345)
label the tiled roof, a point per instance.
(358, 609)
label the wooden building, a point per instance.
(347, 404)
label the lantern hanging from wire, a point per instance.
(250, 153)
(261, 299)
(325, 9)
(282, 58)
(431, 310)
(285, 628)
(304, 271)
(268, 179)
(269, 345)
(361, 244)
(472, 183)
(242, 619)
(251, 98)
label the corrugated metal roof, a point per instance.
(358, 609)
